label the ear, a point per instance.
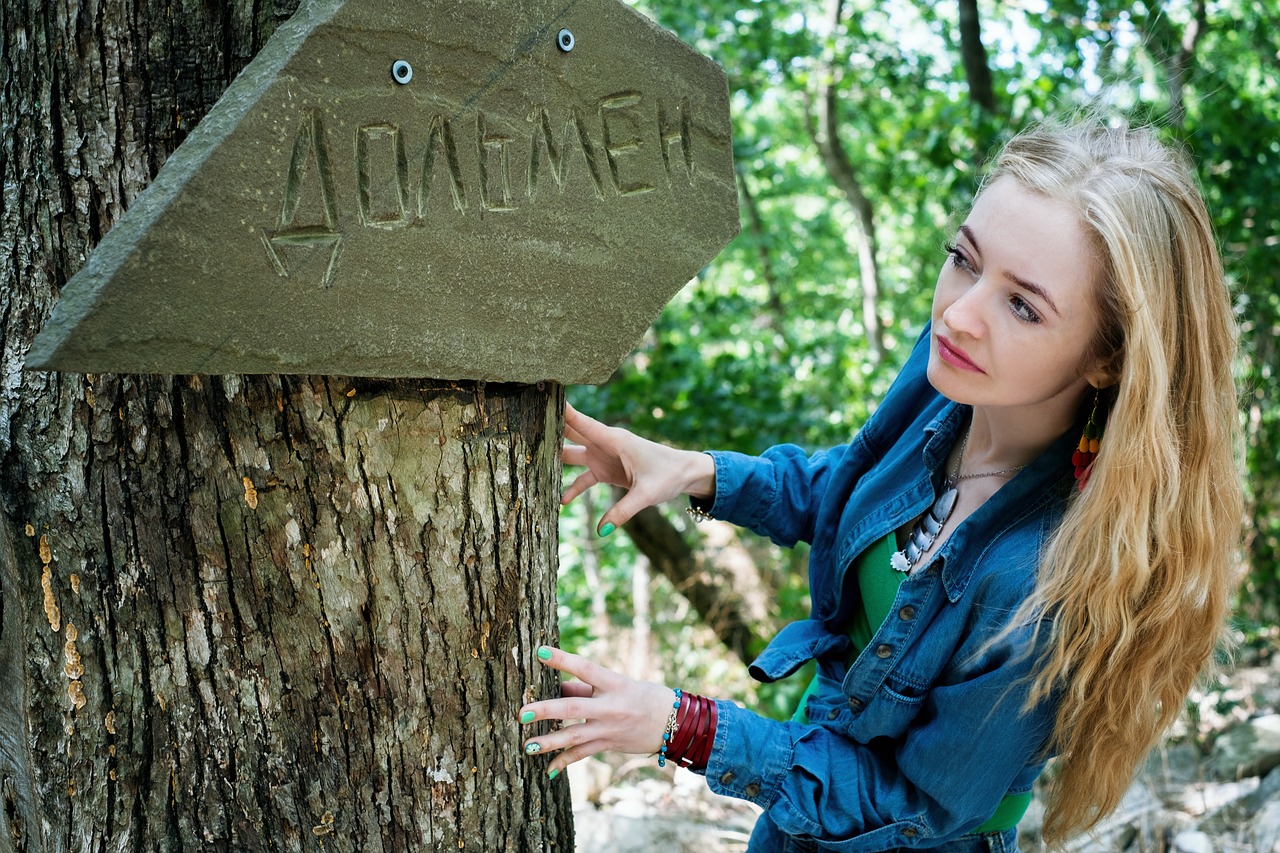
(1099, 380)
(1106, 373)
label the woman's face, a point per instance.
(1014, 310)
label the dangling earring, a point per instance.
(1090, 442)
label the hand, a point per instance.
(650, 472)
(615, 712)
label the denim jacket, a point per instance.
(916, 741)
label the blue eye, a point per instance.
(1023, 310)
(958, 259)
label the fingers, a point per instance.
(577, 421)
(581, 429)
(577, 753)
(571, 742)
(612, 456)
(568, 756)
(623, 511)
(568, 707)
(576, 688)
(589, 673)
(572, 454)
(574, 435)
(580, 484)
(577, 740)
(578, 455)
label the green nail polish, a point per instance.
(606, 530)
(531, 748)
(553, 773)
(527, 717)
(544, 653)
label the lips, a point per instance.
(955, 356)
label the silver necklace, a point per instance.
(930, 524)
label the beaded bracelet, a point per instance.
(670, 729)
(699, 511)
(698, 514)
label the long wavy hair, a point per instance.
(1137, 580)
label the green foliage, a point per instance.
(768, 345)
(1234, 131)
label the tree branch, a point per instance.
(843, 174)
(727, 591)
(1175, 52)
(755, 222)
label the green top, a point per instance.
(878, 587)
(878, 584)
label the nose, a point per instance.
(965, 314)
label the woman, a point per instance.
(1026, 551)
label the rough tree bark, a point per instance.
(244, 613)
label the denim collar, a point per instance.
(1049, 478)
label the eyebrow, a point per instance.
(1030, 286)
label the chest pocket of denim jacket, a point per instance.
(888, 712)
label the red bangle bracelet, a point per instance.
(711, 717)
(695, 732)
(686, 726)
(694, 755)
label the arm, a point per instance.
(776, 494)
(945, 775)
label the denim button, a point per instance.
(883, 651)
(833, 713)
(727, 777)
(855, 704)
(752, 790)
(909, 831)
(907, 613)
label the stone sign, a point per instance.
(504, 190)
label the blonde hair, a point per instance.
(1137, 580)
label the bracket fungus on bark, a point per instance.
(504, 190)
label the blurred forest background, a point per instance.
(861, 130)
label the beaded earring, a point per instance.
(1090, 442)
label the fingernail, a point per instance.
(531, 748)
(606, 530)
(553, 773)
(544, 653)
(527, 717)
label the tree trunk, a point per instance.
(973, 54)
(244, 613)
(1173, 49)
